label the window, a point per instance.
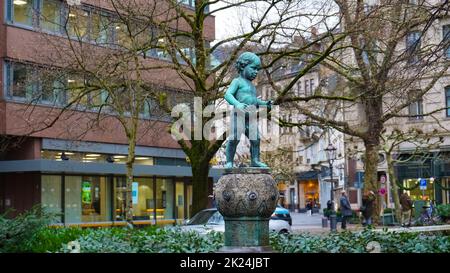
(21, 85)
(416, 107)
(307, 88)
(412, 46)
(446, 40)
(77, 23)
(76, 91)
(143, 201)
(100, 25)
(50, 16)
(51, 193)
(23, 12)
(164, 198)
(447, 100)
(299, 87)
(311, 86)
(87, 199)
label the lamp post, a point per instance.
(331, 156)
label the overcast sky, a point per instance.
(234, 20)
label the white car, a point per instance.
(211, 220)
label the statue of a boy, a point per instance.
(242, 94)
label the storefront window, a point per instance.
(417, 193)
(120, 191)
(23, 12)
(179, 199)
(51, 15)
(51, 193)
(164, 198)
(143, 201)
(87, 199)
(189, 201)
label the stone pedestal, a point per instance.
(246, 197)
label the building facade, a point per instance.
(73, 167)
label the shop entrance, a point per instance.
(308, 193)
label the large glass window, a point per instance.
(23, 12)
(143, 200)
(51, 193)
(417, 193)
(50, 18)
(179, 199)
(164, 198)
(87, 199)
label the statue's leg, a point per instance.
(255, 154)
(232, 143)
(255, 147)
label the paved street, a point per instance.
(302, 222)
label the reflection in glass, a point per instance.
(51, 15)
(23, 12)
(164, 198)
(51, 193)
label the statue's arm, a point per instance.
(231, 92)
(263, 102)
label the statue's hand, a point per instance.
(241, 106)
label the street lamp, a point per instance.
(331, 156)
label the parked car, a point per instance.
(281, 213)
(211, 220)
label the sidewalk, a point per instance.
(304, 223)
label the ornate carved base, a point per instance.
(246, 197)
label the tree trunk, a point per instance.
(130, 168)
(200, 187)
(371, 176)
(394, 186)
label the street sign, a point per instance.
(423, 184)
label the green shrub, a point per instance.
(357, 242)
(52, 239)
(148, 240)
(17, 233)
(443, 211)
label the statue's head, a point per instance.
(248, 64)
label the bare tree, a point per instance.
(389, 59)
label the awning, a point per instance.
(309, 175)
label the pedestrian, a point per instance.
(312, 207)
(406, 203)
(308, 208)
(346, 209)
(368, 201)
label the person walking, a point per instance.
(346, 209)
(406, 204)
(368, 200)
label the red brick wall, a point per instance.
(21, 191)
